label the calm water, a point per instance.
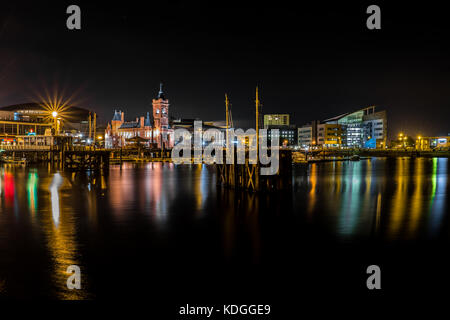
(159, 230)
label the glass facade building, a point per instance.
(364, 128)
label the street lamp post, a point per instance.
(55, 115)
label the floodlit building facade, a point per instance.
(364, 128)
(154, 130)
(329, 135)
(35, 119)
(305, 136)
(433, 143)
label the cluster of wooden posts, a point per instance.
(86, 160)
(141, 154)
(247, 176)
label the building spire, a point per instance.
(161, 93)
(148, 122)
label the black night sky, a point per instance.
(314, 61)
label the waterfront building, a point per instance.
(287, 134)
(120, 133)
(155, 129)
(188, 124)
(433, 143)
(276, 120)
(320, 134)
(38, 119)
(305, 136)
(364, 128)
(329, 135)
(161, 120)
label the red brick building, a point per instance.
(155, 130)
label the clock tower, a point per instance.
(161, 119)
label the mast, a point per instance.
(95, 128)
(227, 121)
(90, 125)
(257, 121)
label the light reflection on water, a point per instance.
(398, 198)
(60, 218)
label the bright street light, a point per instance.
(54, 114)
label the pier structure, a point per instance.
(56, 150)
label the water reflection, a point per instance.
(395, 198)
(32, 186)
(60, 233)
(45, 223)
(138, 210)
(439, 194)
(9, 188)
(54, 191)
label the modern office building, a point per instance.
(276, 120)
(329, 135)
(364, 128)
(320, 134)
(305, 136)
(287, 134)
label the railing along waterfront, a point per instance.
(25, 147)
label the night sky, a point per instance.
(313, 61)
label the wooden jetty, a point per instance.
(59, 151)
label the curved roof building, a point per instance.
(20, 119)
(38, 110)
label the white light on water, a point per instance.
(54, 187)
